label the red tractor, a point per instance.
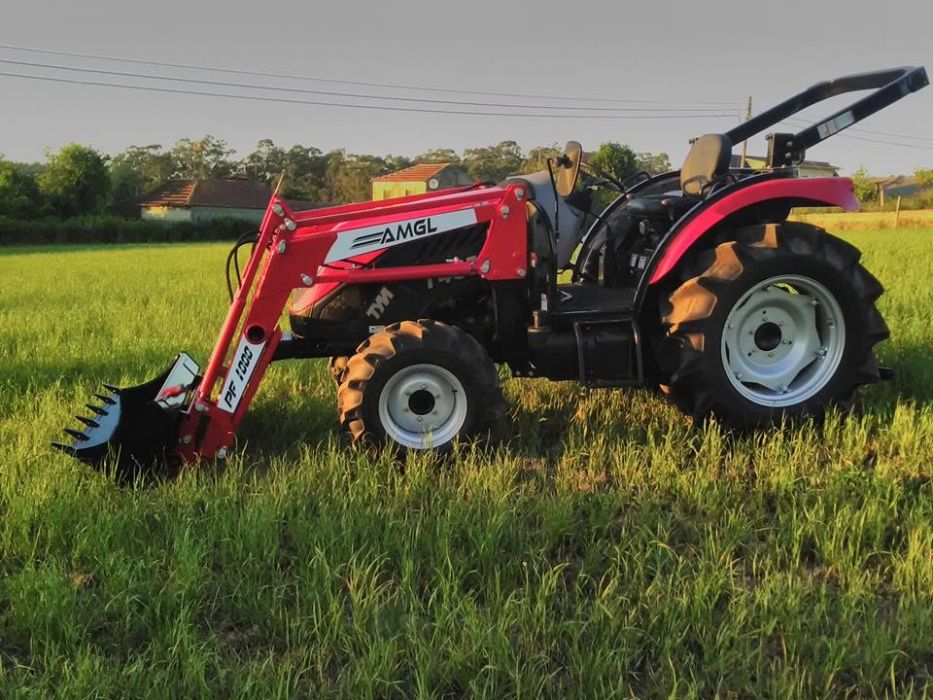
(693, 281)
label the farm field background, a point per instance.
(607, 549)
(868, 220)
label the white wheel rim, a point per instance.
(783, 341)
(422, 406)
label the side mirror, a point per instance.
(569, 168)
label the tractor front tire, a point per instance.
(419, 385)
(779, 321)
(338, 365)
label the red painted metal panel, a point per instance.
(826, 191)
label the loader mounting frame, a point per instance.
(291, 251)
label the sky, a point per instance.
(672, 58)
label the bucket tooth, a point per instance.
(96, 409)
(67, 449)
(111, 387)
(77, 435)
(106, 399)
(89, 422)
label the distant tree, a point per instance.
(349, 177)
(135, 172)
(865, 189)
(536, 159)
(924, 177)
(75, 180)
(335, 164)
(208, 157)
(615, 159)
(303, 167)
(652, 163)
(305, 170)
(493, 163)
(19, 191)
(394, 163)
(438, 155)
(265, 163)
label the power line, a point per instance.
(802, 123)
(276, 88)
(915, 146)
(288, 76)
(896, 136)
(423, 110)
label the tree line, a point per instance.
(79, 180)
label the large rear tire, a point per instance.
(419, 385)
(781, 321)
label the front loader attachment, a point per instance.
(186, 415)
(137, 426)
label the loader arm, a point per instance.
(294, 250)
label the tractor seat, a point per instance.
(664, 206)
(706, 163)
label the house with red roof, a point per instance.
(419, 179)
(205, 200)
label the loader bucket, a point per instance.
(137, 426)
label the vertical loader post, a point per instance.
(250, 333)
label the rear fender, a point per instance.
(697, 225)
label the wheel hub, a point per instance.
(768, 336)
(421, 402)
(422, 406)
(783, 340)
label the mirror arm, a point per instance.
(550, 172)
(604, 175)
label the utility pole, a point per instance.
(748, 115)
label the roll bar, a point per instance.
(786, 149)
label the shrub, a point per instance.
(106, 228)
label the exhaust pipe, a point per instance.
(136, 426)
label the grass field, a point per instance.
(608, 549)
(869, 220)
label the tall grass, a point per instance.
(607, 549)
